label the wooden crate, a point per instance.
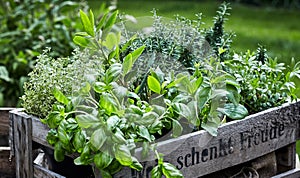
(7, 164)
(268, 135)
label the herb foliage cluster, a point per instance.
(111, 112)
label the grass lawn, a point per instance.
(277, 29)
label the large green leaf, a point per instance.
(211, 127)
(202, 96)
(234, 111)
(87, 120)
(177, 128)
(123, 155)
(102, 160)
(98, 138)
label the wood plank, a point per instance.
(199, 153)
(4, 120)
(40, 171)
(7, 166)
(22, 139)
(289, 174)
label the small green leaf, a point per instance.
(53, 119)
(127, 64)
(177, 128)
(144, 133)
(92, 19)
(123, 155)
(108, 102)
(153, 84)
(136, 164)
(111, 20)
(98, 138)
(147, 119)
(136, 53)
(87, 24)
(60, 97)
(101, 22)
(81, 41)
(170, 171)
(102, 160)
(156, 172)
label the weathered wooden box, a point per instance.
(263, 142)
(7, 165)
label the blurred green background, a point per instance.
(254, 22)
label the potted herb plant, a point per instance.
(158, 122)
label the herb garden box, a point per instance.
(264, 141)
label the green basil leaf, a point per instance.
(108, 102)
(98, 138)
(202, 96)
(156, 172)
(59, 152)
(144, 133)
(114, 167)
(136, 164)
(87, 120)
(153, 84)
(60, 97)
(105, 174)
(177, 128)
(123, 155)
(147, 119)
(102, 160)
(170, 171)
(53, 119)
(211, 128)
(63, 136)
(79, 141)
(234, 111)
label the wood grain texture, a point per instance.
(294, 173)
(199, 153)
(40, 172)
(4, 120)
(22, 140)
